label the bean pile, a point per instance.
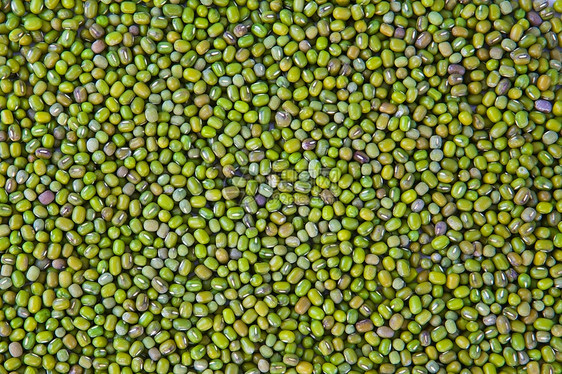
(243, 186)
